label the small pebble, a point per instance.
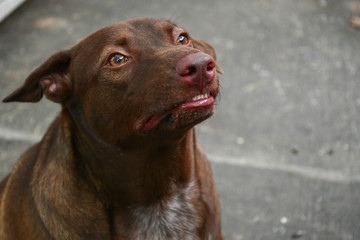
(294, 151)
(240, 140)
(330, 152)
(297, 234)
(284, 220)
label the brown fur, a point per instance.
(98, 173)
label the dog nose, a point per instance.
(196, 69)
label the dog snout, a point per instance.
(196, 69)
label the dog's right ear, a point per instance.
(51, 78)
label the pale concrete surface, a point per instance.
(285, 140)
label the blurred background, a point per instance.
(284, 142)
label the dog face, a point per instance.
(136, 79)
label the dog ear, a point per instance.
(207, 48)
(51, 78)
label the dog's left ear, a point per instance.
(206, 48)
(51, 78)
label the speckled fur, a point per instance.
(171, 219)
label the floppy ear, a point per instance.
(207, 48)
(51, 78)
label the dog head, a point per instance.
(142, 77)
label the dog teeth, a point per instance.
(200, 96)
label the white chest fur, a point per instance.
(172, 219)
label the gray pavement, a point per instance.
(285, 140)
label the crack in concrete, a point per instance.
(308, 172)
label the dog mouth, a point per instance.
(193, 110)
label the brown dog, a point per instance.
(121, 160)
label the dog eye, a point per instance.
(117, 60)
(182, 40)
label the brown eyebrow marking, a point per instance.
(169, 29)
(122, 41)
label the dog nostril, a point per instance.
(188, 71)
(191, 71)
(210, 66)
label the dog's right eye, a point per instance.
(182, 40)
(117, 60)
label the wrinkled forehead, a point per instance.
(135, 35)
(140, 32)
(151, 29)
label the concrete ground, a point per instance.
(285, 140)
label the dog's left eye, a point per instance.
(117, 60)
(182, 40)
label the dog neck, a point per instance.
(143, 175)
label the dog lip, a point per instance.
(197, 101)
(150, 121)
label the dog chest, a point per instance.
(171, 219)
